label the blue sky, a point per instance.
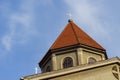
(29, 27)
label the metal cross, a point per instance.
(69, 16)
(36, 70)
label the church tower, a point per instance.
(72, 48)
(76, 56)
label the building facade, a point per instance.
(76, 56)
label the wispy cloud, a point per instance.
(20, 25)
(89, 14)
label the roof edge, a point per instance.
(77, 68)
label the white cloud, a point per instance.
(6, 41)
(21, 21)
(20, 25)
(88, 13)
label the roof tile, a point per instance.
(72, 35)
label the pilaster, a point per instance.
(79, 53)
(54, 62)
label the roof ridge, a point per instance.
(74, 32)
(79, 40)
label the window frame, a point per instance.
(67, 62)
(91, 60)
(48, 69)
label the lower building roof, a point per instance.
(73, 69)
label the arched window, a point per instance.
(91, 60)
(68, 62)
(48, 69)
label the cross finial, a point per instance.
(69, 16)
(36, 70)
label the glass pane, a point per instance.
(92, 60)
(48, 69)
(68, 62)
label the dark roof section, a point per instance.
(72, 35)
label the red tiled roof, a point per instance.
(72, 35)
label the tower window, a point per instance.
(48, 69)
(68, 62)
(91, 60)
